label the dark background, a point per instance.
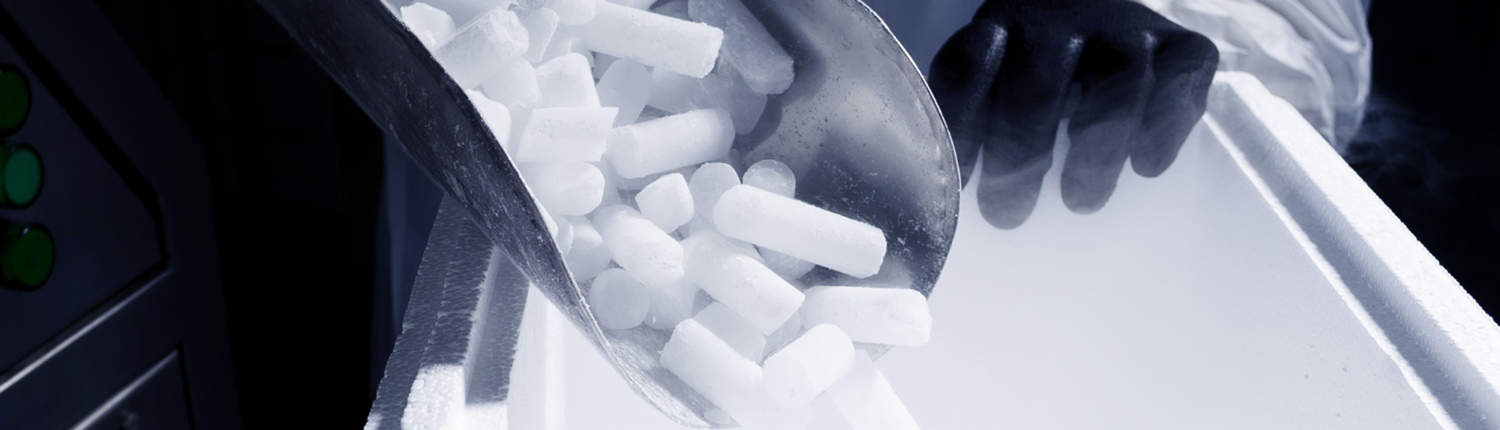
(297, 176)
(1430, 143)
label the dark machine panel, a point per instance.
(129, 321)
(104, 236)
(154, 401)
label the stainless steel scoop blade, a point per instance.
(858, 126)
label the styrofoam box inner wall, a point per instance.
(1197, 299)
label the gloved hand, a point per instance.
(1003, 81)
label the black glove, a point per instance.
(1003, 80)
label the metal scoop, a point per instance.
(858, 127)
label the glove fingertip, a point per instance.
(1007, 211)
(1185, 67)
(1007, 198)
(1152, 165)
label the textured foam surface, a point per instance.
(537, 378)
(458, 333)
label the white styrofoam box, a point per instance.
(536, 388)
(1258, 283)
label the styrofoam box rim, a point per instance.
(1444, 343)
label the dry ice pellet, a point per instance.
(620, 116)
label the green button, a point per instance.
(20, 175)
(26, 256)
(15, 99)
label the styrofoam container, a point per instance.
(1257, 284)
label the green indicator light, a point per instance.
(15, 99)
(20, 175)
(26, 256)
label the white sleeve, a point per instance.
(1313, 53)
